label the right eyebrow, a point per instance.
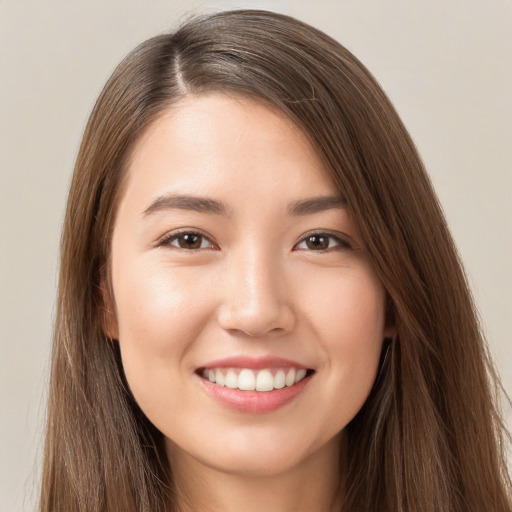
(193, 203)
(316, 205)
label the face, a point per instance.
(248, 313)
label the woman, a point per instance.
(260, 304)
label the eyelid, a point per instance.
(164, 241)
(345, 241)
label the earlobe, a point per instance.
(108, 315)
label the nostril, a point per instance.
(274, 321)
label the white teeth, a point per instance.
(219, 378)
(264, 381)
(299, 375)
(246, 380)
(251, 380)
(290, 377)
(231, 379)
(279, 379)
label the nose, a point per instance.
(256, 300)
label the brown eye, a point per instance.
(317, 242)
(322, 242)
(188, 241)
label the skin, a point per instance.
(252, 286)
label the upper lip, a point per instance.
(254, 363)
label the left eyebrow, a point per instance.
(192, 203)
(316, 205)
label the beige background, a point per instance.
(446, 65)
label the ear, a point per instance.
(109, 318)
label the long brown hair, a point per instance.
(429, 438)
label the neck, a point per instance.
(314, 484)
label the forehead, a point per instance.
(220, 144)
(196, 121)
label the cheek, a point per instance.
(360, 320)
(148, 305)
(154, 296)
(160, 314)
(348, 311)
(349, 323)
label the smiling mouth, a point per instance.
(246, 379)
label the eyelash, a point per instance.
(340, 242)
(166, 240)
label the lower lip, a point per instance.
(255, 402)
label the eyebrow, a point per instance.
(207, 205)
(192, 203)
(316, 205)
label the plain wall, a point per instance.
(446, 66)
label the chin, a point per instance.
(256, 453)
(255, 463)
